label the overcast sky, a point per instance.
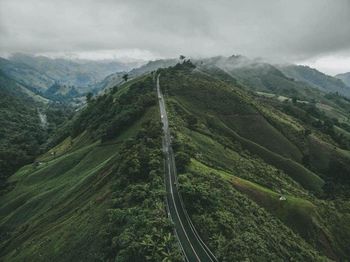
(314, 32)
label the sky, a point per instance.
(312, 32)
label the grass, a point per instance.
(233, 115)
(297, 213)
(227, 156)
(124, 87)
(299, 173)
(61, 205)
(258, 150)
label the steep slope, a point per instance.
(26, 75)
(256, 75)
(99, 194)
(41, 74)
(117, 78)
(274, 87)
(80, 73)
(227, 172)
(316, 79)
(26, 120)
(345, 77)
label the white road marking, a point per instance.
(167, 149)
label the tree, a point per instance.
(89, 97)
(307, 132)
(182, 159)
(125, 77)
(192, 120)
(182, 57)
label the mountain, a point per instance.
(117, 78)
(97, 195)
(263, 175)
(345, 77)
(26, 75)
(26, 120)
(245, 152)
(282, 79)
(269, 81)
(255, 74)
(316, 79)
(39, 73)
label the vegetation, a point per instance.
(22, 132)
(229, 170)
(264, 177)
(107, 115)
(94, 200)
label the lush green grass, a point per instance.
(88, 201)
(233, 225)
(230, 157)
(232, 114)
(50, 203)
(22, 133)
(297, 213)
(232, 166)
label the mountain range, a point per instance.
(39, 73)
(345, 77)
(262, 155)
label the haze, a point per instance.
(313, 32)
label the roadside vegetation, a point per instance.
(98, 195)
(266, 174)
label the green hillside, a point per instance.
(237, 156)
(316, 79)
(99, 194)
(262, 178)
(345, 77)
(26, 121)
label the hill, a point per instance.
(262, 178)
(117, 78)
(26, 120)
(345, 77)
(39, 74)
(98, 194)
(316, 79)
(229, 169)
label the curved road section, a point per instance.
(192, 246)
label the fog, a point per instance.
(295, 31)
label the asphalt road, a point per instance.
(193, 247)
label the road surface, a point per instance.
(192, 246)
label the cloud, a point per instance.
(287, 30)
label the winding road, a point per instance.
(194, 249)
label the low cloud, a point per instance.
(284, 30)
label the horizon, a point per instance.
(301, 32)
(138, 62)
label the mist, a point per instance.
(294, 31)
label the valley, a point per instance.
(208, 160)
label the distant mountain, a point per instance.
(26, 75)
(291, 80)
(39, 73)
(316, 79)
(254, 74)
(63, 93)
(117, 78)
(345, 77)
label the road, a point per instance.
(193, 247)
